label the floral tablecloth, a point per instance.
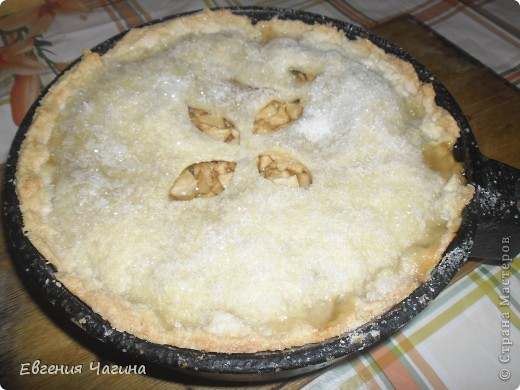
(39, 38)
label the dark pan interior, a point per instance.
(262, 365)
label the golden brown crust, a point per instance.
(35, 181)
(32, 179)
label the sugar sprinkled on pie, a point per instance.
(261, 258)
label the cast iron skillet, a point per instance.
(493, 213)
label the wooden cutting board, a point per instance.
(32, 330)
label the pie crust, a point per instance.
(289, 226)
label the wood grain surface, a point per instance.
(31, 329)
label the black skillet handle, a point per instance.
(497, 210)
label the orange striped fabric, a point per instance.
(126, 14)
(393, 369)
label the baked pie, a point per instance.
(214, 184)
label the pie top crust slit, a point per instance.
(223, 186)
